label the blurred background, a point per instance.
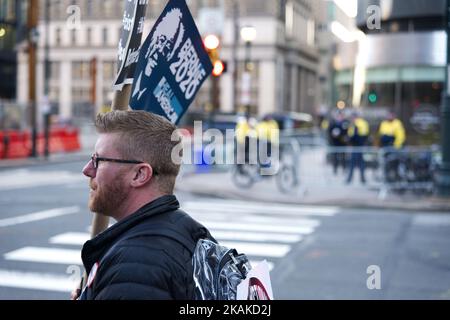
(328, 72)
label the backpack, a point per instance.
(218, 271)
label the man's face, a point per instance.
(108, 183)
(391, 116)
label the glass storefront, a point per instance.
(414, 93)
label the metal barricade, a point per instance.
(410, 169)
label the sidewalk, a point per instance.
(318, 186)
(87, 137)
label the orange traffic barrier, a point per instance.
(17, 144)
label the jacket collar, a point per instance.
(94, 249)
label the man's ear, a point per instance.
(142, 175)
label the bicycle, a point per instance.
(246, 175)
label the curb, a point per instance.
(429, 205)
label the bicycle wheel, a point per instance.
(242, 176)
(286, 179)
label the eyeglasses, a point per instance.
(95, 160)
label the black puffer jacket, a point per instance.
(129, 262)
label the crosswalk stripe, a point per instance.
(251, 226)
(259, 250)
(244, 226)
(254, 263)
(45, 255)
(41, 215)
(256, 237)
(233, 207)
(37, 281)
(79, 238)
(70, 238)
(24, 178)
(217, 215)
(264, 204)
(70, 256)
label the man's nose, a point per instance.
(89, 170)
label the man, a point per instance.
(337, 134)
(358, 133)
(132, 177)
(245, 136)
(392, 137)
(267, 131)
(392, 132)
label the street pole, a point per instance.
(33, 16)
(46, 111)
(444, 172)
(248, 34)
(247, 79)
(234, 53)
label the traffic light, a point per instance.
(219, 68)
(212, 45)
(373, 97)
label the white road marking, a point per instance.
(245, 226)
(254, 263)
(259, 250)
(70, 238)
(25, 178)
(247, 207)
(260, 230)
(41, 215)
(79, 238)
(220, 216)
(256, 236)
(37, 281)
(45, 255)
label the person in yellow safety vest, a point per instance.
(267, 131)
(392, 132)
(245, 132)
(358, 134)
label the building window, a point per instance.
(57, 10)
(58, 36)
(7, 10)
(109, 70)
(73, 37)
(108, 9)
(88, 36)
(80, 94)
(105, 36)
(80, 70)
(54, 69)
(89, 8)
(53, 94)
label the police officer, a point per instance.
(267, 132)
(337, 135)
(358, 134)
(391, 132)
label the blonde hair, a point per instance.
(145, 137)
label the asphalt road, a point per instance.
(313, 252)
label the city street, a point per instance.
(314, 252)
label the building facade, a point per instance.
(284, 54)
(404, 52)
(338, 47)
